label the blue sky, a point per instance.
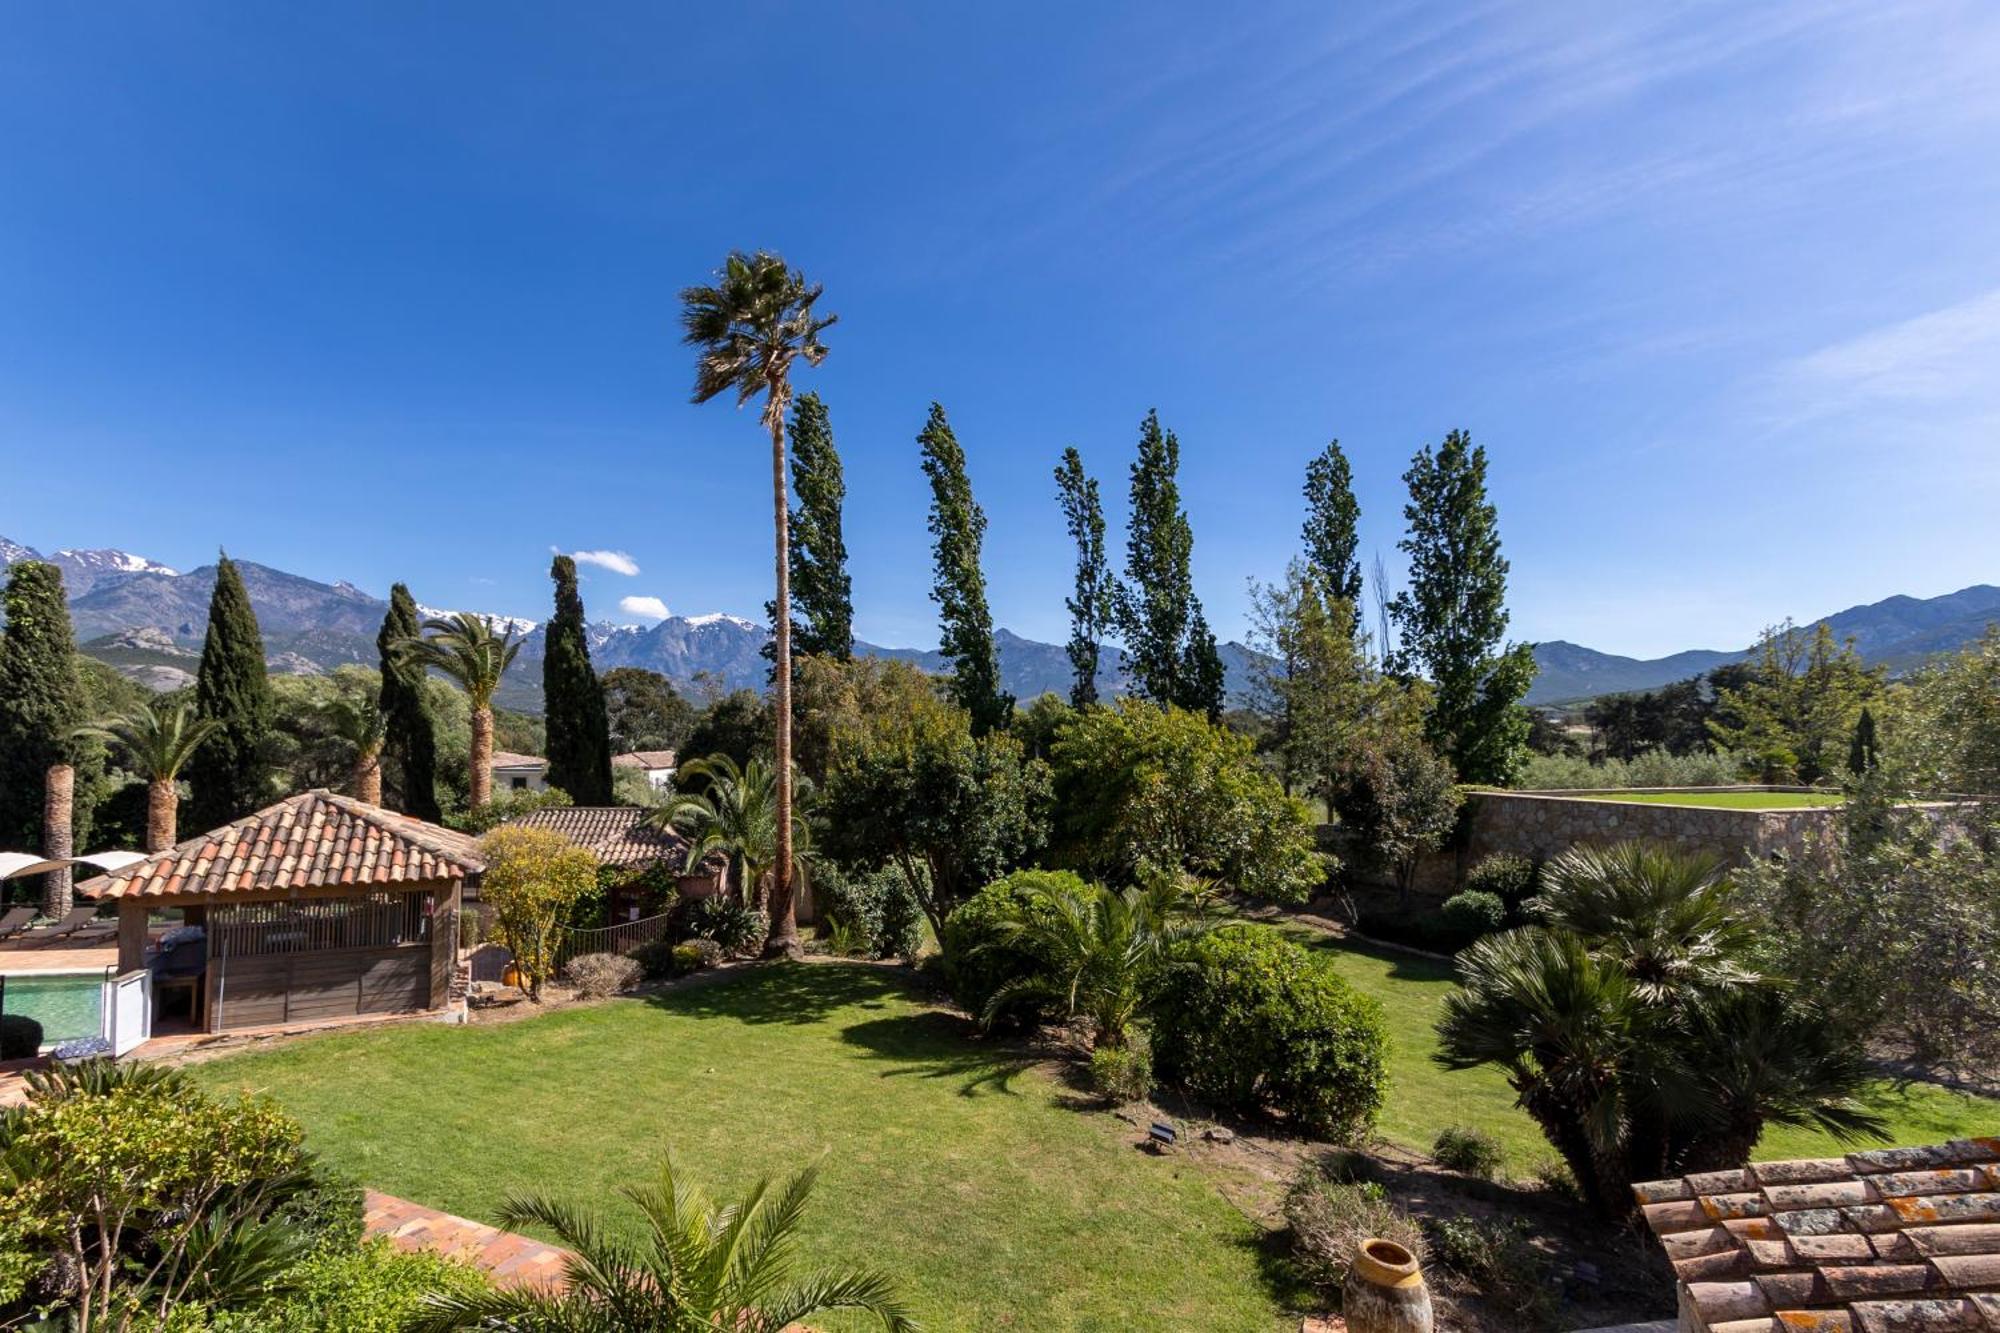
(380, 292)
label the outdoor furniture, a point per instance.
(15, 921)
(79, 917)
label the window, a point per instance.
(520, 784)
(379, 920)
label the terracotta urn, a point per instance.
(1385, 1291)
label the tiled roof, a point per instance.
(313, 840)
(1900, 1238)
(644, 759)
(508, 759)
(613, 833)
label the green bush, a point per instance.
(875, 911)
(1510, 878)
(1330, 1217)
(978, 960)
(692, 957)
(20, 1037)
(1244, 1018)
(719, 917)
(1468, 916)
(369, 1288)
(655, 959)
(1498, 1259)
(1473, 1152)
(1122, 1073)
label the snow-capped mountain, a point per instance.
(84, 570)
(518, 626)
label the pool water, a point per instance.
(67, 1005)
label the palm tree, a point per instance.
(1099, 949)
(748, 329)
(700, 1268)
(735, 812)
(465, 647)
(1634, 1030)
(159, 739)
(357, 720)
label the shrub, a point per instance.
(1473, 1152)
(1122, 1073)
(734, 927)
(1510, 878)
(1469, 915)
(367, 1288)
(1330, 1217)
(1498, 1260)
(20, 1037)
(1244, 1018)
(695, 955)
(595, 975)
(979, 958)
(874, 913)
(655, 959)
(1553, 1174)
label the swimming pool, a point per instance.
(67, 1004)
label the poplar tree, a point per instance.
(958, 528)
(1452, 619)
(822, 592)
(41, 707)
(229, 772)
(1167, 642)
(411, 733)
(1331, 533)
(579, 726)
(1094, 600)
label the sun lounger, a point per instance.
(78, 918)
(15, 921)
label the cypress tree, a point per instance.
(579, 725)
(229, 772)
(1331, 528)
(1167, 642)
(410, 735)
(1862, 755)
(1093, 602)
(41, 706)
(1452, 619)
(822, 593)
(958, 527)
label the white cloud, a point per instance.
(652, 608)
(616, 561)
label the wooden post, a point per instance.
(131, 935)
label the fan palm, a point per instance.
(748, 329)
(701, 1268)
(158, 740)
(1099, 948)
(466, 648)
(1663, 915)
(736, 813)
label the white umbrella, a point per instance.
(14, 865)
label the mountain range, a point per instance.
(147, 620)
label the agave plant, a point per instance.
(701, 1267)
(1099, 948)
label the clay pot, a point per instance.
(1385, 1291)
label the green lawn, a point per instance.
(1424, 1098)
(998, 1204)
(1724, 800)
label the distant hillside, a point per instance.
(1897, 632)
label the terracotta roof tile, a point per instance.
(1893, 1239)
(644, 759)
(313, 840)
(614, 833)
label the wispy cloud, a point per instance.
(1940, 360)
(652, 608)
(616, 561)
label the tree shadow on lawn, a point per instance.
(935, 1044)
(795, 993)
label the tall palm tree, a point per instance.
(735, 812)
(1099, 949)
(159, 739)
(748, 329)
(465, 648)
(357, 720)
(700, 1268)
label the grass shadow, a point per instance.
(936, 1045)
(799, 994)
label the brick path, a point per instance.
(511, 1260)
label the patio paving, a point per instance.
(510, 1259)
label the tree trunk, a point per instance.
(784, 938)
(58, 836)
(482, 756)
(162, 814)
(367, 777)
